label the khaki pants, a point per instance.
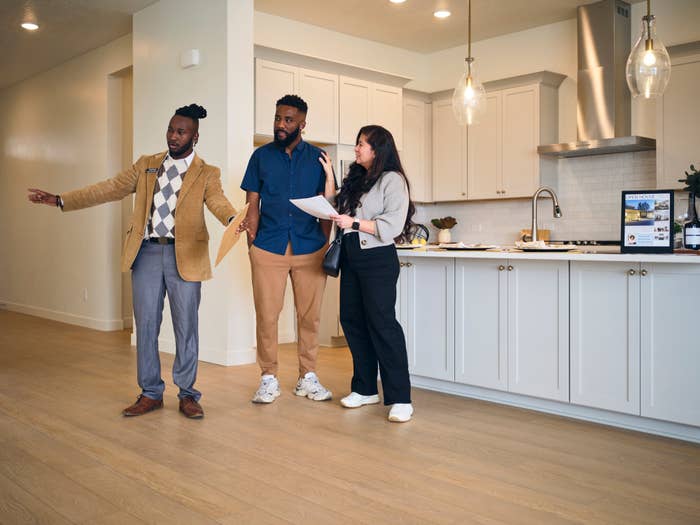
(270, 273)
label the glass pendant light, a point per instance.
(469, 97)
(648, 66)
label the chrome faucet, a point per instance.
(556, 210)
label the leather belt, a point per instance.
(161, 240)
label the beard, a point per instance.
(180, 152)
(291, 137)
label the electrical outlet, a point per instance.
(85, 295)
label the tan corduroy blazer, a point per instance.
(201, 185)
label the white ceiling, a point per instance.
(412, 26)
(69, 28)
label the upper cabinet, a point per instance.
(496, 158)
(318, 89)
(449, 154)
(338, 105)
(485, 151)
(678, 133)
(363, 103)
(417, 152)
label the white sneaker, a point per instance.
(310, 386)
(268, 391)
(355, 400)
(401, 412)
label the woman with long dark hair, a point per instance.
(374, 208)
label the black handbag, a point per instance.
(331, 260)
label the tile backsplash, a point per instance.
(589, 191)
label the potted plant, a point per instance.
(444, 225)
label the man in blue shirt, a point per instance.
(285, 241)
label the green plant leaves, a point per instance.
(444, 223)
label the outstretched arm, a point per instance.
(43, 197)
(109, 190)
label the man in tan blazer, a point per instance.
(165, 255)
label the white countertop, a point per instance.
(602, 254)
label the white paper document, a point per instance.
(317, 206)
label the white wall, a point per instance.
(223, 84)
(55, 136)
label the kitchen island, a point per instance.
(605, 337)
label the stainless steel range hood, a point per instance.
(604, 105)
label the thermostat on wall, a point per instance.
(189, 58)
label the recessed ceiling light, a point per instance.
(30, 26)
(397, 1)
(442, 13)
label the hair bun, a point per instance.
(193, 111)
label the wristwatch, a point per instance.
(356, 225)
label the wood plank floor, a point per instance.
(67, 456)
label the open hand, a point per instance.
(327, 164)
(42, 197)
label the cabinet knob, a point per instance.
(401, 265)
(631, 272)
(501, 267)
(409, 264)
(463, 193)
(643, 272)
(510, 268)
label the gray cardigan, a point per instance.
(386, 204)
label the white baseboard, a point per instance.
(560, 408)
(104, 325)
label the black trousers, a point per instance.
(367, 313)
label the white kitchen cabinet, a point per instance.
(670, 352)
(449, 154)
(522, 133)
(416, 155)
(633, 346)
(318, 89)
(481, 323)
(538, 328)
(425, 309)
(605, 331)
(512, 320)
(485, 151)
(677, 130)
(496, 158)
(272, 81)
(355, 110)
(387, 110)
(363, 102)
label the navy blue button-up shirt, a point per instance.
(278, 178)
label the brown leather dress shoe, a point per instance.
(143, 404)
(191, 408)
